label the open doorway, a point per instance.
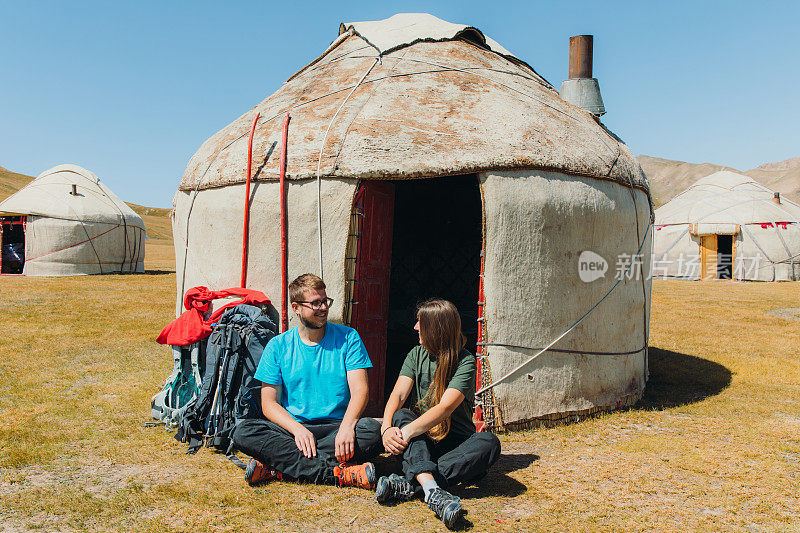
(12, 243)
(436, 247)
(410, 240)
(724, 256)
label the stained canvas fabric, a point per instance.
(429, 108)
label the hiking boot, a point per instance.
(393, 489)
(256, 473)
(446, 506)
(348, 475)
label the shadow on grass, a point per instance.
(679, 379)
(158, 272)
(497, 481)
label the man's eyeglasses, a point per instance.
(316, 305)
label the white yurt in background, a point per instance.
(65, 223)
(423, 159)
(727, 226)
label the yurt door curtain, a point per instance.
(12, 244)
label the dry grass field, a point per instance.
(713, 445)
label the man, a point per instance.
(314, 389)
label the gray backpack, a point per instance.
(229, 392)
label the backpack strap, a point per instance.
(195, 358)
(161, 405)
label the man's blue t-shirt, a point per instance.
(313, 378)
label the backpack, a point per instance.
(182, 385)
(229, 393)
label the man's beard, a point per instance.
(311, 325)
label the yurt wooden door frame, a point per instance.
(11, 229)
(708, 257)
(710, 250)
(410, 240)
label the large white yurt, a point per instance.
(66, 223)
(423, 159)
(728, 226)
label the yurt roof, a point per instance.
(727, 198)
(49, 195)
(414, 96)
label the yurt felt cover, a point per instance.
(92, 232)
(537, 224)
(429, 105)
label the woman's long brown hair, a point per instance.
(440, 332)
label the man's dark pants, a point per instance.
(451, 460)
(274, 446)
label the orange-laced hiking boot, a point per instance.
(257, 473)
(349, 475)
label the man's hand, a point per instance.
(345, 443)
(393, 441)
(305, 441)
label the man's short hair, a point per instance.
(303, 283)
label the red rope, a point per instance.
(73, 245)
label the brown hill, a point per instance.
(668, 178)
(783, 176)
(11, 182)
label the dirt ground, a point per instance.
(714, 444)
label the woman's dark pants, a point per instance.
(452, 460)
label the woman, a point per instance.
(436, 437)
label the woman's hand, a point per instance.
(393, 441)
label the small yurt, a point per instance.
(728, 226)
(417, 158)
(67, 223)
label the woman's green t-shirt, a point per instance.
(420, 367)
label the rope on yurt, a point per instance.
(124, 224)
(319, 161)
(697, 221)
(558, 350)
(573, 326)
(72, 245)
(442, 68)
(755, 241)
(134, 251)
(469, 71)
(645, 318)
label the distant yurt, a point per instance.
(728, 226)
(67, 223)
(422, 159)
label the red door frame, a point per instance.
(370, 306)
(375, 200)
(23, 221)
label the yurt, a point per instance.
(417, 158)
(66, 223)
(728, 226)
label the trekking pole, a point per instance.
(211, 421)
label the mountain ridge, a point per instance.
(668, 177)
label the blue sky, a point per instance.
(130, 90)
